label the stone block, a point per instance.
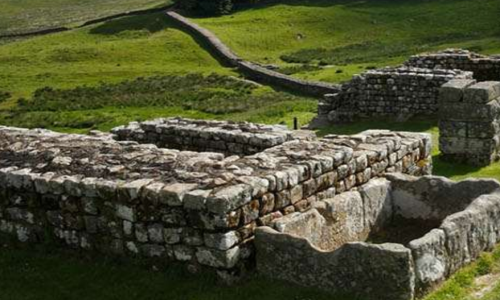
(482, 92)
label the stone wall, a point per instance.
(251, 70)
(469, 122)
(230, 138)
(95, 193)
(485, 68)
(394, 93)
(326, 247)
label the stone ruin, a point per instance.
(485, 68)
(469, 122)
(95, 193)
(335, 213)
(406, 91)
(393, 238)
(397, 93)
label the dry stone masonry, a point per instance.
(430, 226)
(396, 93)
(485, 68)
(98, 194)
(249, 69)
(469, 122)
(209, 136)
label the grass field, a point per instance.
(113, 51)
(19, 16)
(55, 275)
(350, 35)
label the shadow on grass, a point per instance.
(151, 22)
(362, 4)
(449, 169)
(45, 274)
(414, 125)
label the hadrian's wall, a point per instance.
(97, 194)
(231, 138)
(485, 68)
(390, 92)
(249, 69)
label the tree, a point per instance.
(207, 7)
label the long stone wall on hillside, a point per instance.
(469, 122)
(249, 69)
(230, 138)
(394, 93)
(95, 193)
(485, 68)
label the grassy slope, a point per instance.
(30, 15)
(395, 28)
(116, 50)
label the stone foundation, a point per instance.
(120, 197)
(394, 93)
(485, 68)
(333, 246)
(469, 122)
(230, 138)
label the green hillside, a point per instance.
(350, 35)
(116, 50)
(18, 16)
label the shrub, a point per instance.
(4, 96)
(213, 94)
(212, 7)
(207, 7)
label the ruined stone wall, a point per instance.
(208, 136)
(249, 69)
(469, 122)
(326, 247)
(95, 193)
(394, 93)
(485, 68)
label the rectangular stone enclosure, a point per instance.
(393, 238)
(230, 138)
(120, 197)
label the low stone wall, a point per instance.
(395, 93)
(325, 247)
(469, 122)
(95, 193)
(209, 136)
(485, 68)
(252, 70)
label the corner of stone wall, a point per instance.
(469, 127)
